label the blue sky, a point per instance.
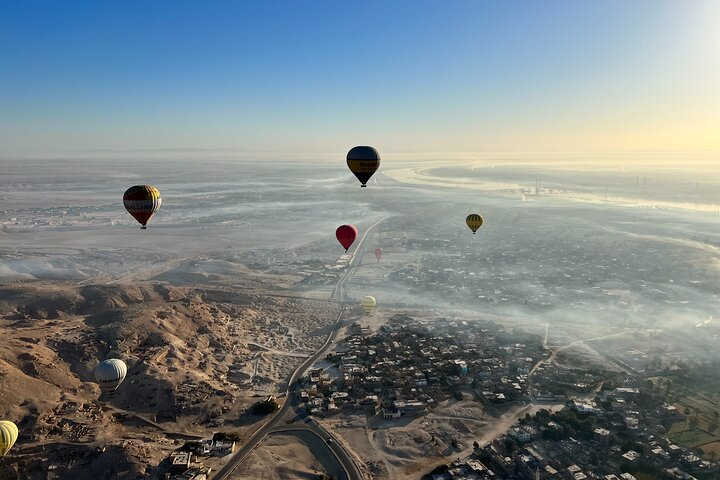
(306, 79)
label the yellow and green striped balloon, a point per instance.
(368, 304)
(8, 436)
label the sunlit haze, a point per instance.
(286, 80)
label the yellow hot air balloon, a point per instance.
(474, 221)
(368, 304)
(8, 436)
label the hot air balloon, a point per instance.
(474, 221)
(368, 304)
(378, 253)
(142, 201)
(110, 373)
(8, 436)
(363, 162)
(346, 235)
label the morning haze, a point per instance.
(574, 335)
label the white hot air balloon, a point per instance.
(110, 373)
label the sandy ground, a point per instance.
(402, 449)
(287, 456)
(409, 447)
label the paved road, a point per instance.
(288, 409)
(337, 450)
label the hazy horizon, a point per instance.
(683, 159)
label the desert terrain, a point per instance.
(197, 359)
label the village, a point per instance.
(408, 366)
(625, 427)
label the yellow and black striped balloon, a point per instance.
(363, 162)
(474, 221)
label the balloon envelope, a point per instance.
(378, 253)
(110, 373)
(142, 201)
(368, 303)
(363, 163)
(346, 235)
(474, 221)
(8, 436)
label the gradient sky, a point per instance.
(308, 79)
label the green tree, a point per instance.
(509, 444)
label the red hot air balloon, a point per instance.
(346, 235)
(378, 253)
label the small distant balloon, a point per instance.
(346, 235)
(142, 201)
(363, 163)
(474, 221)
(368, 304)
(378, 253)
(109, 374)
(8, 436)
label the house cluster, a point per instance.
(408, 366)
(445, 269)
(461, 273)
(612, 438)
(184, 465)
(552, 380)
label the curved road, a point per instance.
(344, 457)
(318, 439)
